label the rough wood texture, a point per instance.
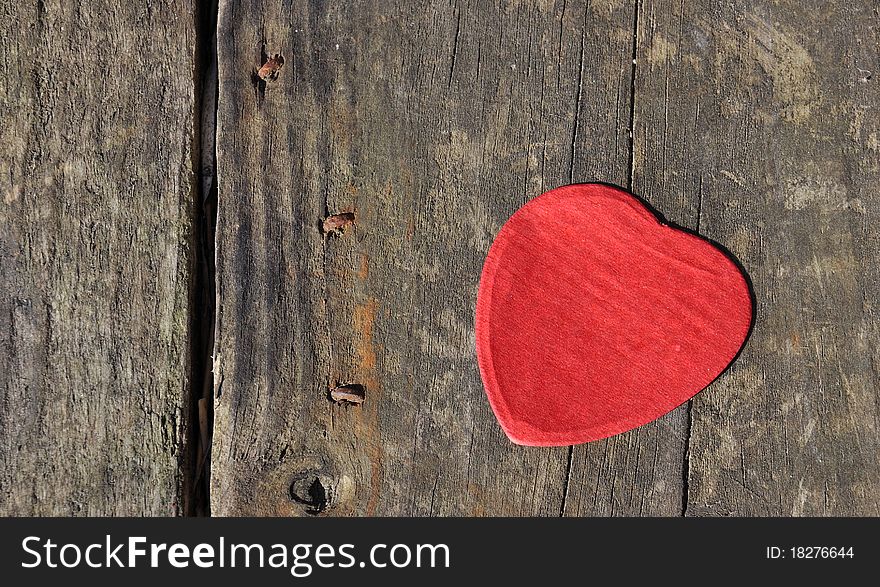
(432, 123)
(768, 111)
(96, 130)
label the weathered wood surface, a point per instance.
(96, 176)
(433, 122)
(768, 111)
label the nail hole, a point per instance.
(311, 492)
(337, 223)
(271, 68)
(353, 393)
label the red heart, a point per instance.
(595, 317)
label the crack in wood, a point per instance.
(686, 459)
(632, 96)
(204, 290)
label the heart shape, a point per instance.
(594, 316)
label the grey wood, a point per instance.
(96, 176)
(361, 180)
(432, 122)
(767, 110)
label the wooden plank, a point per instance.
(641, 472)
(432, 122)
(96, 173)
(768, 111)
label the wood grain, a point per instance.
(432, 122)
(345, 381)
(768, 112)
(96, 175)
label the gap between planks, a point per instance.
(197, 499)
